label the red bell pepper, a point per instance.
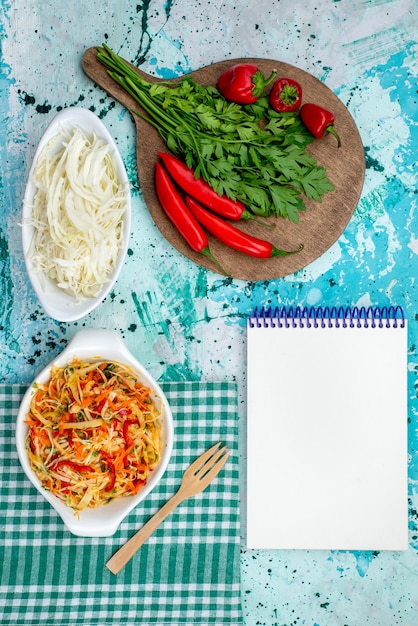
(138, 483)
(111, 468)
(285, 95)
(101, 405)
(64, 486)
(244, 83)
(319, 121)
(77, 467)
(128, 439)
(234, 237)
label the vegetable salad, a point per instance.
(94, 433)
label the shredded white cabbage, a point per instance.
(78, 212)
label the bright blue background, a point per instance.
(184, 322)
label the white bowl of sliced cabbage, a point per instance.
(76, 217)
(94, 433)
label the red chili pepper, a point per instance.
(180, 216)
(111, 468)
(285, 95)
(201, 191)
(318, 120)
(233, 237)
(77, 467)
(244, 83)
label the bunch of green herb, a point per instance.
(250, 153)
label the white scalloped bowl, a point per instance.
(58, 304)
(95, 344)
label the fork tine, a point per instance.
(209, 475)
(210, 462)
(201, 460)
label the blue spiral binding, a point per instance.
(331, 317)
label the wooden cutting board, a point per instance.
(320, 225)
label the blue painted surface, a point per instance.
(184, 322)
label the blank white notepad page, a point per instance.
(327, 438)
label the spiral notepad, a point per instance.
(327, 429)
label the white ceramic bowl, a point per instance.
(56, 303)
(103, 521)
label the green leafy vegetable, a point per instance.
(250, 153)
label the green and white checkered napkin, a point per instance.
(186, 573)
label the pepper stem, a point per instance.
(260, 83)
(289, 95)
(330, 129)
(247, 215)
(277, 252)
(206, 251)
